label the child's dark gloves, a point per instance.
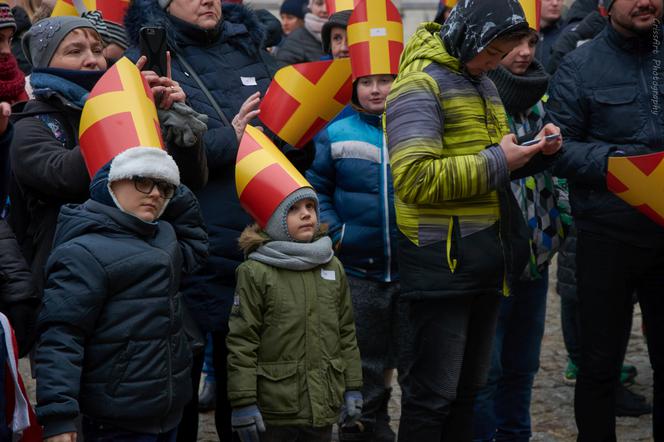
(352, 408)
(247, 421)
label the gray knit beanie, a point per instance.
(276, 226)
(43, 38)
(163, 4)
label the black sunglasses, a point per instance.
(146, 186)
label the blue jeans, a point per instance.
(95, 432)
(502, 407)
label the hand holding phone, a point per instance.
(153, 46)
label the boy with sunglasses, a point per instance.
(111, 341)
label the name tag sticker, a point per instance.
(329, 275)
(249, 81)
(378, 32)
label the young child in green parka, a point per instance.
(294, 365)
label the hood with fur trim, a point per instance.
(239, 25)
(253, 237)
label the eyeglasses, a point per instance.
(146, 186)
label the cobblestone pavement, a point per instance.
(552, 412)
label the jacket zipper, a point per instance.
(386, 211)
(171, 315)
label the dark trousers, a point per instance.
(608, 274)
(96, 432)
(569, 321)
(188, 431)
(449, 356)
(297, 433)
(376, 322)
(502, 407)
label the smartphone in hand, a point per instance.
(537, 140)
(153, 46)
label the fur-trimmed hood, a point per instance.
(253, 237)
(238, 23)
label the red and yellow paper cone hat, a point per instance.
(118, 115)
(112, 10)
(449, 3)
(304, 97)
(532, 10)
(339, 5)
(639, 181)
(64, 8)
(375, 38)
(263, 176)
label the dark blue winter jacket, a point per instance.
(352, 176)
(111, 342)
(607, 97)
(232, 64)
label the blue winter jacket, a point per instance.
(231, 63)
(608, 99)
(111, 342)
(351, 173)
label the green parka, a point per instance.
(292, 346)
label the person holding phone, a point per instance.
(462, 238)
(48, 169)
(219, 60)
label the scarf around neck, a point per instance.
(75, 86)
(294, 255)
(520, 92)
(12, 79)
(314, 25)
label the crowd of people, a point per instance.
(411, 237)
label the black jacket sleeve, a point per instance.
(41, 163)
(18, 300)
(74, 296)
(184, 214)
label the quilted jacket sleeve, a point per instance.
(73, 298)
(414, 127)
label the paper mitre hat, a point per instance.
(339, 5)
(532, 9)
(375, 38)
(304, 97)
(118, 115)
(112, 10)
(263, 176)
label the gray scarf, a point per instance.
(294, 255)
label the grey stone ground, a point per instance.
(552, 411)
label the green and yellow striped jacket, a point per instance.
(443, 130)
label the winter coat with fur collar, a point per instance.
(292, 346)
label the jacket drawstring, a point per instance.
(451, 262)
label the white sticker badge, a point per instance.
(249, 81)
(378, 32)
(329, 275)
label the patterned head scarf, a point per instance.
(474, 24)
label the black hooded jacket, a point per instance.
(111, 341)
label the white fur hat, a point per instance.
(149, 162)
